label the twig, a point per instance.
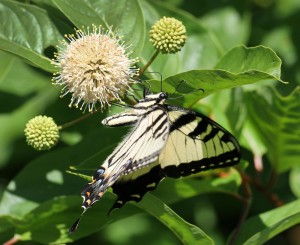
(272, 180)
(247, 203)
(141, 72)
(272, 197)
(75, 121)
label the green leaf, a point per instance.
(236, 113)
(27, 80)
(26, 31)
(260, 58)
(43, 223)
(50, 221)
(244, 69)
(12, 124)
(211, 81)
(260, 229)
(174, 190)
(276, 120)
(227, 36)
(187, 233)
(48, 174)
(295, 180)
(108, 13)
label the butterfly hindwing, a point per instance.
(134, 186)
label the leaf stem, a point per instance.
(247, 200)
(141, 72)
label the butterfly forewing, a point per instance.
(139, 148)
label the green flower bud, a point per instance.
(41, 133)
(168, 35)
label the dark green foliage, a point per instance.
(245, 90)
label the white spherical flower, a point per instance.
(94, 67)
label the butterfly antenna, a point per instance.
(161, 83)
(146, 89)
(155, 72)
(177, 87)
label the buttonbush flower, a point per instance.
(41, 133)
(94, 67)
(168, 35)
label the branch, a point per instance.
(247, 200)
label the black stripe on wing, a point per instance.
(209, 133)
(156, 126)
(186, 169)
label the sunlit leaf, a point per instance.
(187, 233)
(276, 120)
(27, 80)
(26, 31)
(260, 229)
(295, 180)
(108, 14)
(222, 28)
(247, 66)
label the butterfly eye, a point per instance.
(98, 174)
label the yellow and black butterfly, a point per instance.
(165, 141)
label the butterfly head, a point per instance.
(153, 99)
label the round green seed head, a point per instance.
(41, 133)
(168, 35)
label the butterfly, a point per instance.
(165, 141)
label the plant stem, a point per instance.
(247, 203)
(66, 125)
(272, 197)
(141, 72)
(272, 180)
(12, 241)
(266, 189)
